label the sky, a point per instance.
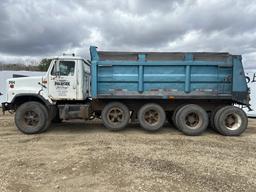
(35, 29)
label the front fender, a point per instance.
(24, 97)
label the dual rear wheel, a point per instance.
(191, 119)
(230, 121)
(227, 120)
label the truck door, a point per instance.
(62, 80)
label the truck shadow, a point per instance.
(78, 126)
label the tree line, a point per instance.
(42, 66)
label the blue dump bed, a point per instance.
(178, 75)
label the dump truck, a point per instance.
(191, 90)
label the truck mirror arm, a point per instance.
(39, 83)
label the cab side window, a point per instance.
(66, 68)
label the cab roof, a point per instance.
(70, 57)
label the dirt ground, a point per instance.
(79, 156)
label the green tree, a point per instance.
(44, 64)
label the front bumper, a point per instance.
(6, 106)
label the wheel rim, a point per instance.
(115, 115)
(31, 118)
(192, 120)
(152, 117)
(233, 121)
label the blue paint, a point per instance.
(141, 58)
(159, 63)
(188, 57)
(239, 84)
(187, 80)
(94, 69)
(94, 53)
(94, 79)
(187, 76)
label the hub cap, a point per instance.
(192, 120)
(115, 115)
(31, 118)
(152, 117)
(233, 121)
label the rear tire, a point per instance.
(192, 120)
(212, 115)
(31, 117)
(151, 117)
(115, 116)
(175, 114)
(230, 121)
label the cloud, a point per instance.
(41, 28)
(35, 28)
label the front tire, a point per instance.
(31, 118)
(115, 116)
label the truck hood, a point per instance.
(23, 85)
